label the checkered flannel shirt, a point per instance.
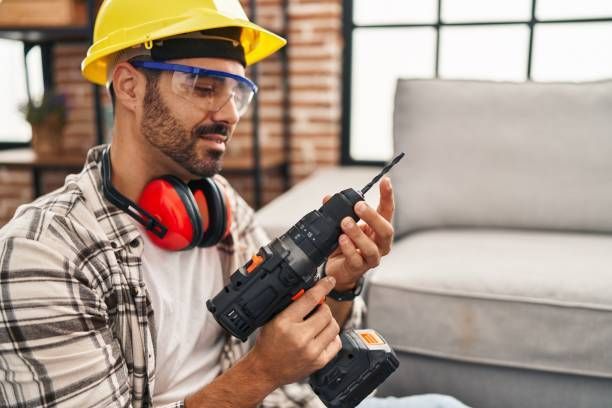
(77, 325)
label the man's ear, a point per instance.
(129, 86)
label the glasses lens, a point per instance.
(211, 92)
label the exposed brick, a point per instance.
(80, 115)
(308, 11)
(12, 176)
(8, 207)
(312, 26)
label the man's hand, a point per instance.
(362, 245)
(289, 347)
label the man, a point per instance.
(94, 311)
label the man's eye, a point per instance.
(204, 90)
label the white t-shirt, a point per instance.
(189, 339)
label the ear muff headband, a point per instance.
(125, 204)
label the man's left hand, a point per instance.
(363, 244)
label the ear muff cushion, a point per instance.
(217, 213)
(171, 202)
(202, 204)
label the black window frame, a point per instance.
(348, 27)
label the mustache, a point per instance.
(216, 128)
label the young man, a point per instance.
(98, 310)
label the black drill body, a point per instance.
(288, 265)
(281, 272)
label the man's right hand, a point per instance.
(290, 347)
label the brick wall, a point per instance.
(314, 52)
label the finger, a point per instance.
(317, 321)
(386, 204)
(368, 248)
(327, 334)
(330, 352)
(326, 198)
(382, 228)
(367, 230)
(352, 256)
(305, 303)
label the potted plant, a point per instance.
(47, 118)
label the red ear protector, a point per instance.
(177, 216)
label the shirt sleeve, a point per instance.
(55, 341)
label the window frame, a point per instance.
(349, 25)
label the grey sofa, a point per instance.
(499, 288)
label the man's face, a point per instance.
(192, 137)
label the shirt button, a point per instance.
(114, 245)
(134, 243)
(135, 291)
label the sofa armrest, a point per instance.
(286, 210)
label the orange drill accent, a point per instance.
(297, 295)
(371, 338)
(301, 292)
(255, 262)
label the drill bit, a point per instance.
(382, 173)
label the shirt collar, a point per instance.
(116, 224)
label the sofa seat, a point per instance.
(463, 307)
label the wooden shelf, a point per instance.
(45, 34)
(26, 158)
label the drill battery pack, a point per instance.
(365, 361)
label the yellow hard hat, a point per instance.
(122, 24)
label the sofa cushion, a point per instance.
(488, 154)
(539, 301)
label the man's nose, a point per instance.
(228, 113)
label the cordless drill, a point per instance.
(281, 272)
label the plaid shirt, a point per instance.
(77, 323)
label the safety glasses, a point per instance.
(207, 89)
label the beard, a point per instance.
(162, 130)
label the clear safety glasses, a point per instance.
(207, 89)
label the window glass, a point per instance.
(572, 52)
(380, 57)
(573, 9)
(485, 10)
(14, 92)
(35, 74)
(486, 52)
(395, 11)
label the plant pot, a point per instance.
(47, 136)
